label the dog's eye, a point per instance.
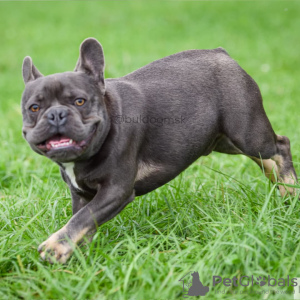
(79, 102)
(34, 108)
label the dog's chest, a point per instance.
(69, 169)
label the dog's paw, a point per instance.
(57, 248)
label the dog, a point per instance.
(115, 139)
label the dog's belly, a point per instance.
(166, 165)
(146, 170)
(151, 176)
(151, 182)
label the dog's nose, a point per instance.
(57, 116)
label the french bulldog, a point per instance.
(115, 139)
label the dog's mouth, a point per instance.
(61, 142)
(58, 142)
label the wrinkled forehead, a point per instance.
(59, 85)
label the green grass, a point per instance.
(220, 217)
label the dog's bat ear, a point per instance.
(29, 71)
(91, 61)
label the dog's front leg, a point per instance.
(78, 202)
(107, 203)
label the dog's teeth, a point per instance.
(61, 144)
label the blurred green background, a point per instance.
(263, 36)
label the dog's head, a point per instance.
(64, 115)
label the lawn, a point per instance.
(219, 217)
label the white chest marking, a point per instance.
(69, 168)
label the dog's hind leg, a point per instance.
(244, 122)
(275, 162)
(268, 167)
(280, 163)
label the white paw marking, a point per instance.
(56, 248)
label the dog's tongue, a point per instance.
(58, 141)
